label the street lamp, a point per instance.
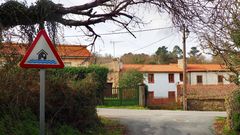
(185, 35)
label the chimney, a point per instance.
(180, 63)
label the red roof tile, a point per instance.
(205, 67)
(63, 50)
(152, 68)
(173, 67)
(73, 50)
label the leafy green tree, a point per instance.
(177, 52)
(162, 55)
(195, 56)
(130, 79)
(194, 52)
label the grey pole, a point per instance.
(42, 101)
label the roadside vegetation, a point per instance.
(72, 95)
(221, 128)
(135, 107)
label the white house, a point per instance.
(162, 80)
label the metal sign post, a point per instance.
(42, 54)
(42, 101)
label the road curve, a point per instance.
(163, 122)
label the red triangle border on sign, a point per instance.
(51, 46)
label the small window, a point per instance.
(199, 79)
(150, 78)
(171, 78)
(181, 77)
(67, 64)
(220, 78)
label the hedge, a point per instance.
(79, 73)
(72, 94)
(233, 110)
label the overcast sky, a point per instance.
(118, 44)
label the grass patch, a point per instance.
(123, 107)
(110, 127)
(221, 128)
(113, 127)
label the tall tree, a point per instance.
(194, 52)
(177, 52)
(162, 55)
(195, 56)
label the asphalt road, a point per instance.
(163, 122)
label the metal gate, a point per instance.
(121, 97)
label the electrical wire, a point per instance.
(153, 43)
(125, 32)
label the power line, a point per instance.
(153, 43)
(125, 32)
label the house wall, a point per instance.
(75, 62)
(161, 85)
(113, 75)
(208, 77)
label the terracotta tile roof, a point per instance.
(205, 67)
(73, 51)
(63, 50)
(152, 68)
(13, 49)
(173, 67)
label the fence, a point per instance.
(121, 96)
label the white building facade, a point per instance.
(163, 80)
(163, 83)
(209, 78)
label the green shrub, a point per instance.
(130, 79)
(15, 121)
(236, 121)
(66, 130)
(68, 101)
(79, 73)
(75, 105)
(233, 110)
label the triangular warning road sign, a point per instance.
(41, 54)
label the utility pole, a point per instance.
(185, 31)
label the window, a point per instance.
(220, 78)
(150, 78)
(181, 77)
(171, 78)
(199, 79)
(67, 64)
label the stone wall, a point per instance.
(206, 104)
(206, 97)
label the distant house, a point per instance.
(163, 80)
(114, 66)
(72, 55)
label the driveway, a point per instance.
(163, 122)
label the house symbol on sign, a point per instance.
(42, 55)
